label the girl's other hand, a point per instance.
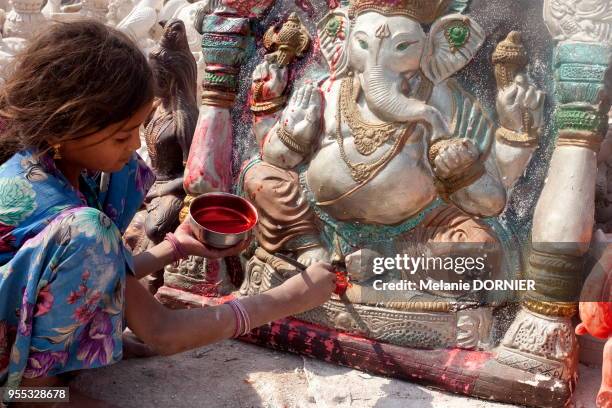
(192, 246)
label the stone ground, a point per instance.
(237, 375)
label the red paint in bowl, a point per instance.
(222, 220)
(225, 220)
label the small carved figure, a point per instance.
(118, 10)
(9, 47)
(290, 40)
(169, 130)
(286, 42)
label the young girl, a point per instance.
(71, 110)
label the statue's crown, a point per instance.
(423, 11)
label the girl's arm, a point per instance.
(173, 331)
(156, 258)
(153, 260)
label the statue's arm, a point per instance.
(520, 107)
(263, 125)
(292, 138)
(278, 153)
(173, 187)
(485, 197)
(268, 96)
(464, 169)
(512, 160)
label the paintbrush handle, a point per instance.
(291, 261)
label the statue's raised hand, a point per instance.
(520, 106)
(269, 80)
(302, 116)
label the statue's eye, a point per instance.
(403, 46)
(363, 44)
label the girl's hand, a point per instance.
(192, 246)
(311, 288)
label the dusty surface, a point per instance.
(237, 375)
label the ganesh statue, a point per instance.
(389, 148)
(424, 131)
(389, 156)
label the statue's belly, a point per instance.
(402, 189)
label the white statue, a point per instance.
(580, 20)
(8, 48)
(52, 7)
(95, 9)
(25, 19)
(142, 23)
(118, 10)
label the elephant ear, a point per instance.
(452, 43)
(334, 33)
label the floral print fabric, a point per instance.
(62, 266)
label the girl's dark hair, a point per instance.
(72, 80)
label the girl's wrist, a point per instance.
(167, 252)
(177, 250)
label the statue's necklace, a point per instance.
(368, 136)
(361, 172)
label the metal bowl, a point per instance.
(217, 239)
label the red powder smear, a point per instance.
(342, 283)
(224, 220)
(475, 361)
(223, 150)
(212, 142)
(306, 6)
(249, 8)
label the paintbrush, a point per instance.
(342, 280)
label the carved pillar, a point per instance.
(224, 40)
(225, 35)
(541, 338)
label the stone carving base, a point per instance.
(540, 344)
(472, 373)
(199, 276)
(428, 325)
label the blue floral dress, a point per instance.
(62, 266)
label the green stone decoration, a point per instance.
(578, 117)
(224, 43)
(220, 79)
(333, 27)
(579, 74)
(457, 35)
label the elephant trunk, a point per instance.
(385, 99)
